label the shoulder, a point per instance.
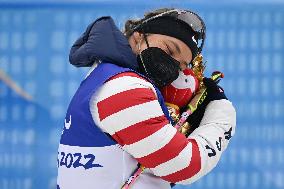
(126, 81)
(123, 95)
(127, 89)
(131, 78)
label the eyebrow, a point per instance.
(176, 46)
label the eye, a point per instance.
(170, 52)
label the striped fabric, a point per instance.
(127, 108)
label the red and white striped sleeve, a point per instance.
(127, 108)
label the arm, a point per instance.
(213, 135)
(127, 108)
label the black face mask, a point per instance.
(160, 67)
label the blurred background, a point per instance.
(245, 40)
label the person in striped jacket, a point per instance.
(117, 118)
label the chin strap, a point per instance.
(140, 56)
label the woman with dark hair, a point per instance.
(118, 120)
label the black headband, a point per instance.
(171, 27)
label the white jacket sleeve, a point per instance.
(213, 135)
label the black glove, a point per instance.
(214, 92)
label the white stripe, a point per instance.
(178, 163)
(121, 84)
(152, 143)
(192, 179)
(207, 163)
(189, 180)
(131, 116)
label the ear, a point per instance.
(137, 36)
(134, 41)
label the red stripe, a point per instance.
(130, 74)
(117, 139)
(192, 169)
(168, 152)
(141, 130)
(123, 100)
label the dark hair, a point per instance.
(131, 24)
